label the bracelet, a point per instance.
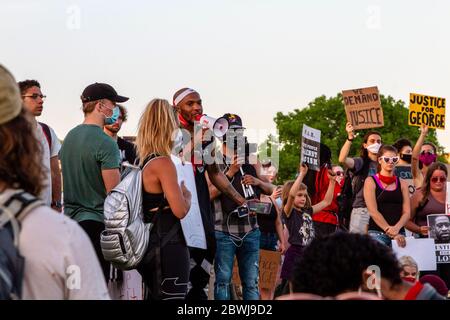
(351, 140)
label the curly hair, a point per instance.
(401, 143)
(20, 155)
(335, 264)
(27, 84)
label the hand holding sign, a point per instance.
(363, 108)
(350, 130)
(426, 110)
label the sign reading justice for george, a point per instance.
(363, 108)
(426, 110)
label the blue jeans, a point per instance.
(247, 255)
(382, 237)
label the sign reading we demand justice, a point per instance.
(426, 110)
(363, 108)
(311, 147)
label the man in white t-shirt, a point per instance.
(33, 100)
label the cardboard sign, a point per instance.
(426, 110)
(311, 148)
(269, 264)
(439, 230)
(363, 108)
(421, 250)
(130, 288)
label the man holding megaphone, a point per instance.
(188, 105)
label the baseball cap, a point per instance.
(234, 121)
(97, 91)
(10, 100)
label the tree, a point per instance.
(328, 116)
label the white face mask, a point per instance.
(374, 148)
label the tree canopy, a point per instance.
(328, 116)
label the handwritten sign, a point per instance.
(269, 264)
(363, 108)
(426, 110)
(311, 147)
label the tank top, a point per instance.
(432, 206)
(155, 200)
(389, 203)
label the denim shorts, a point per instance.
(382, 237)
(359, 220)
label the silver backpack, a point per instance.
(125, 239)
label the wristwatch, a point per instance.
(56, 204)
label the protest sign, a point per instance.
(310, 151)
(269, 264)
(191, 224)
(439, 230)
(426, 110)
(421, 250)
(363, 108)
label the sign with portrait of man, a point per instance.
(439, 230)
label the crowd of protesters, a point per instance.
(325, 253)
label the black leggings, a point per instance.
(174, 264)
(93, 230)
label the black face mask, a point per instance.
(406, 157)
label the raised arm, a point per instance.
(343, 155)
(416, 173)
(294, 189)
(328, 196)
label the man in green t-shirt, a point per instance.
(90, 163)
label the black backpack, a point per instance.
(12, 211)
(353, 182)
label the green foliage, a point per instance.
(328, 116)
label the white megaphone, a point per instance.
(218, 126)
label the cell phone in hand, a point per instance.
(259, 207)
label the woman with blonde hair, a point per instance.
(165, 268)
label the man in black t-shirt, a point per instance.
(188, 105)
(127, 149)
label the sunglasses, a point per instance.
(35, 96)
(393, 160)
(429, 152)
(339, 173)
(440, 179)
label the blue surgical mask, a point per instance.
(115, 115)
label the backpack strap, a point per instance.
(47, 133)
(16, 208)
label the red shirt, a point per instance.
(329, 214)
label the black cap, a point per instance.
(234, 121)
(97, 91)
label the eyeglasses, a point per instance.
(429, 152)
(35, 96)
(339, 173)
(393, 160)
(441, 179)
